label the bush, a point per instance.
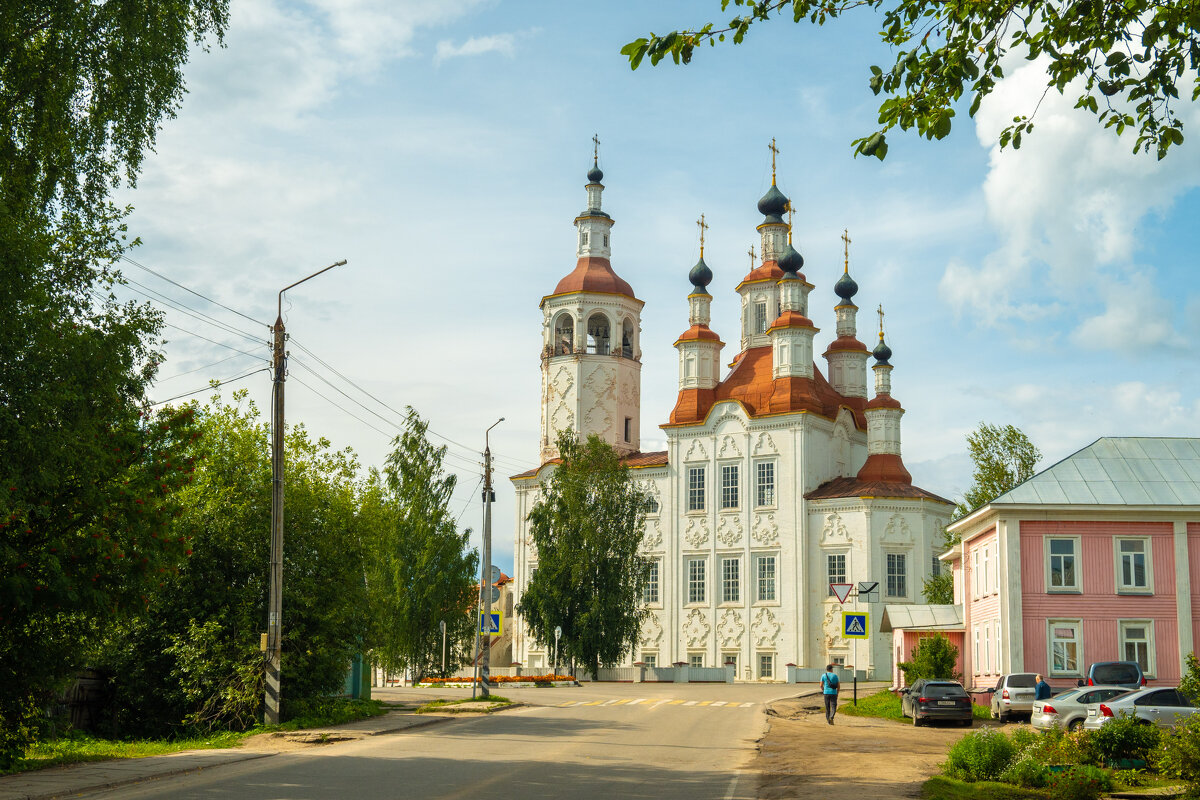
(1178, 751)
(1026, 771)
(934, 657)
(1125, 737)
(979, 756)
(1024, 738)
(1079, 783)
(1055, 746)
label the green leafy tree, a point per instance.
(1189, 684)
(938, 589)
(1127, 61)
(587, 531)
(1004, 457)
(191, 659)
(935, 657)
(421, 569)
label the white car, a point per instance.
(1156, 706)
(1069, 709)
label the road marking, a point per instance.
(636, 702)
(659, 703)
(675, 702)
(608, 702)
(732, 788)
(690, 703)
(593, 703)
(620, 702)
(704, 703)
(746, 705)
(718, 703)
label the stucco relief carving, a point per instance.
(764, 445)
(696, 452)
(563, 381)
(766, 532)
(729, 530)
(696, 628)
(835, 531)
(729, 448)
(652, 539)
(563, 419)
(765, 629)
(731, 628)
(696, 534)
(652, 631)
(601, 383)
(599, 420)
(897, 530)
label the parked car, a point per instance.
(928, 700)
(1069, 709)
(1013, 694)
(1156, 706)
(1115, 673)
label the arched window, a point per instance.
(598, 334)
(564, 335)
(627, 339)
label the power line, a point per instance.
(212, 341)
(467, 505)
(193, 291)
(214, 385)
(385, 434)
(197, 369)
(188, 310)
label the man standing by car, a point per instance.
(1043, 689)
(829, 690)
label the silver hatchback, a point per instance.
(1156, 706)
(1069, 709)
(1013, 694)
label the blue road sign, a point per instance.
(491, 623)
(855, 624)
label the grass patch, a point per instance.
(78, 747)
(448, 705)
(943, 788)
(881, 704)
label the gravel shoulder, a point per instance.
(802, 757)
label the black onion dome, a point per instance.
(773, 203)
(845, 287)
(595, 174)
(700, 276)
(791, 261)
(882, 352)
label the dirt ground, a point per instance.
(857, 758)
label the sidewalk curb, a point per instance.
(77, 788)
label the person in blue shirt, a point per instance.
(829, 690)
(1043, 690)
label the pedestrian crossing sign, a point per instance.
(855, 624)
(492, 623)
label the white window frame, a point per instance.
(1077, 586)
(731, 655)
(975, 573)
(1077, 639)
(829, 573)
(730, 489)
(999, 662)
(887, 583)
(652, 596)
(768, 660)
(691, 586)
(987, 548)
(731, 579)
(650, 659)
(696, 493)
(696, 660)
(761, 322)
(1150, 670)
(764, 490)
(987, 648)
(975, 664)
(1119, 565)
(759, 579)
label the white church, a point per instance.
(776, 481)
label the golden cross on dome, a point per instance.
(596, 148)
(790, 210)
(703, 227)
(753, 261)
(774, 152)
(846, 239)
(880, 322)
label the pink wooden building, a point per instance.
(1095, 559)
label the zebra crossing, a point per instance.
(651, 703)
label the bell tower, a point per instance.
(591, 340)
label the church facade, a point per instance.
(777, 480)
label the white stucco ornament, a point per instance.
(731, 628)
(765, 628)
(651, 631)
(696, 535)
(729, 531)
(834, 531)
(766, 532)
(696, 629)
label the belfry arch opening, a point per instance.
(564, 334)
(598, 335)
(627, 339)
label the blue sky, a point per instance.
(441, 149)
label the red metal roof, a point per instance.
(594, 275)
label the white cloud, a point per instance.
(1067, 207)
(503, 43)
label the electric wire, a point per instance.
(188, 310)
(467, 505)
(211, 341)
(206, 366)
(193, 291)
(214, 385)
(382, 433)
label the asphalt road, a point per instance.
(595, 741)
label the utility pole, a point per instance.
(485, 585)
(273, 692)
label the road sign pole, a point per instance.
(854, 675)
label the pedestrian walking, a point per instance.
(829, 690)
(1043, 690)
